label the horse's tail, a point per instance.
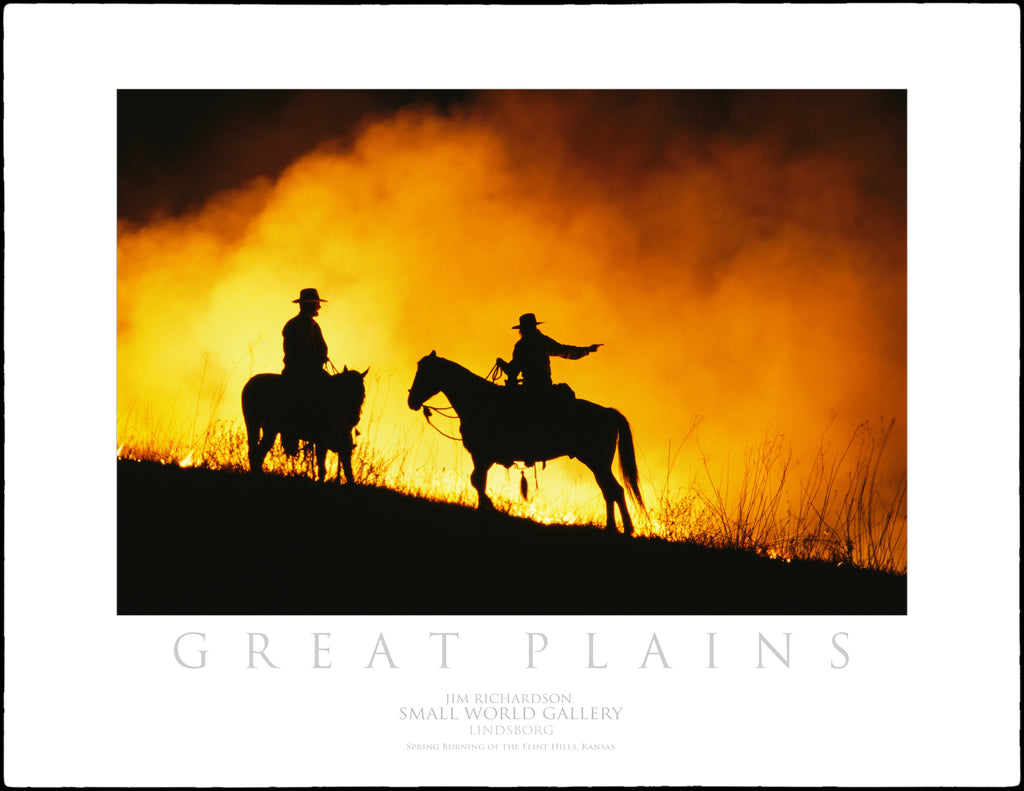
(627, 461)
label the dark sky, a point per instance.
(176, 148)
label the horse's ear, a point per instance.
(433, 354)
(344, 369)
(364, 373)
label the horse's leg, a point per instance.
(255, 456)
(345, 460)
(627, 523)
(613, 493)
(252, 436)
(607, 489)
(479, 480)
(321, 461)
(258, 451)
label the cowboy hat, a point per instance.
(527, 320)
(309, 295)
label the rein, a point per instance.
(492, 377)
(427, 410)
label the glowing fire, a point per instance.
(736, 276)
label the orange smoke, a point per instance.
(746, 266)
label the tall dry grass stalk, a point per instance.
(840, 510)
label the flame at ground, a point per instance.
(745, 266)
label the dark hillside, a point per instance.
(193, 542)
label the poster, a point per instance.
(532, 697)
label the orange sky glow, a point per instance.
(741, 256)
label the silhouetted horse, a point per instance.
(499, 428)
(266, 401)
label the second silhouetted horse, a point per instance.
(498, 429)
(265, 406)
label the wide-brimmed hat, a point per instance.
(309, 295)
(527, 320)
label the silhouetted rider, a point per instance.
(532, 355)
(305, 351)
(305, 355)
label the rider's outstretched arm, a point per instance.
(556, 349)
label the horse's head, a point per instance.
(349, 392)
(426, 384)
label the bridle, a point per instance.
(492, 376)
(428, 410)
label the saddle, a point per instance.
(536, 411)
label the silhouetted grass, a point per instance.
(839, 511)
(229, 543)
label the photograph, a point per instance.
(565, 352)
